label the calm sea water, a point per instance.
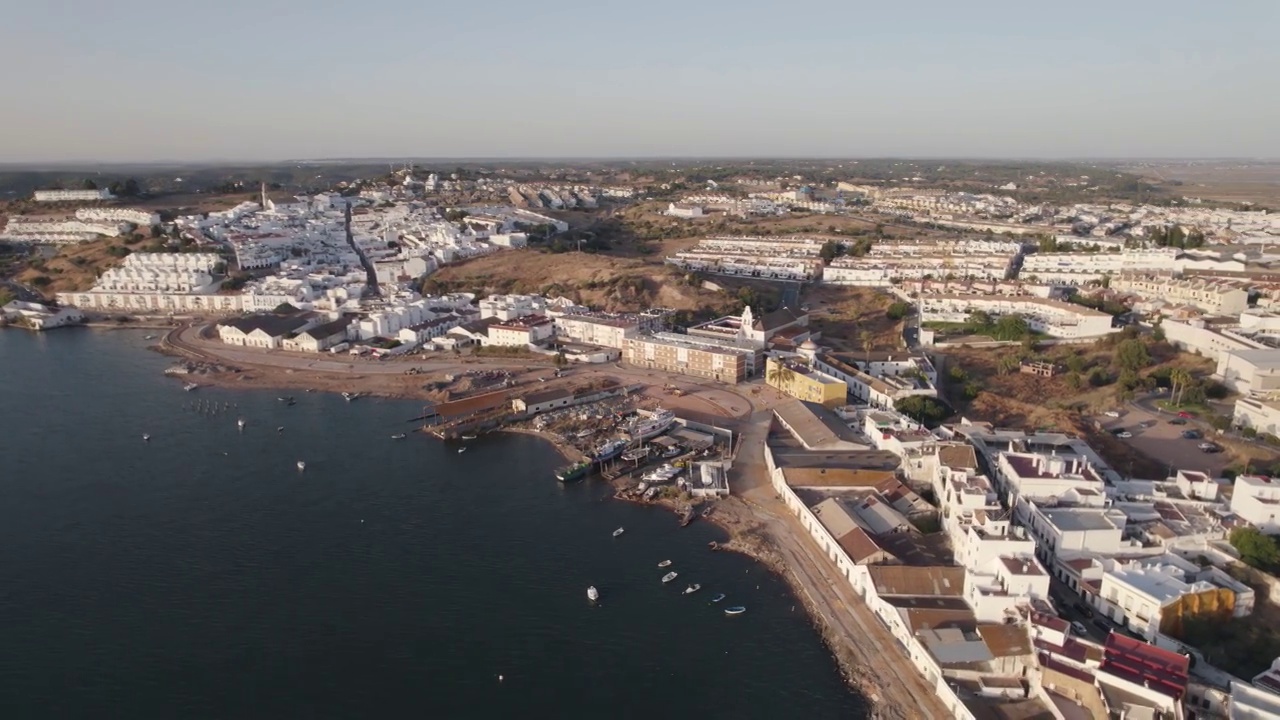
(201, 575)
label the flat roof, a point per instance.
(814, 425)
(1076, 520)
(910, 580)
(835, 477)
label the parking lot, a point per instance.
(1155, 437)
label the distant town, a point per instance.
(1015, 443)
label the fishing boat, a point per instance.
(190, 386)
(672, 451)
(718, 598)
(302, 465)
(146, 437)
(592, 593)
(618, 532)
(669, 577)
(636, 454)
(735, 610)
(240, 423)
(692, 589)
(653, 425)
(609, 451)
(665, 563)
(576, 471)
(468, 437)
(461, 450)
(399, 436)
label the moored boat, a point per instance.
(592, 594)
(692, 589)
(670, 576)
(302, 465)
(618, 532)
(717, 598)
(735, 610)
(468, 437)
(653, 425)
(664, 563)
(608, 451)
(576, 471)
(399, 436)
(635, 454)
(190, 386)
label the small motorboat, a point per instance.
(280, 429)
(461, 450)
(240, 423)
(717, 598)
(468, 437)
(592, 593)
(190, 386)
(669, 576)
(301, 465)
(148, 337)
(692, 589)
(146, 437)
(399, 436)
(706, 512)
(618, 532)
(735, 610)
(665, 563)
(713, 545)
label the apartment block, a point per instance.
(1256, 499)
(687, 355)
(1051, 317)
(880, 271)
(593, 329)
(805, 383)
(72, 195)
(1215, 298)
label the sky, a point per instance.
(259, 80)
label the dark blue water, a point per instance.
(201, 575)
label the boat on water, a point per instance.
(190, 386)
(670, 576)
(280, 429)
(461, 450)
(609, 450)
(692, 589)
(706, 512)
(592, 593)
(576, 471)
(349, 396)
(148, 337)
(618, 532)
(240, 423)
(718, 598)
(651, 426)
(146, 437)
(735, 610)
(468, 437)
(399, 436)
(665, 563)
(687, 517)
(302, 465)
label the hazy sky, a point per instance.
(141, 80)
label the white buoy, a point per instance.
(499, 678)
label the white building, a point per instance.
(1080, 268)
(684, 211)
(40, 317)
(72, 195)
(881, 271)
(1213, 297)
(1260, 414)
(141, 218)
(1250, 371)
(510, 307)
(596, 330)
(1051, 317)
(521, 332)
(1137, 594)
(1256, 499)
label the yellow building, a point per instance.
(804, 383)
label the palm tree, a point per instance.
(780, 375)
(1179, 380)
(864, 338)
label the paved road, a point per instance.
(1154, 437)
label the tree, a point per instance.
(130, 189)
(780, 374)
(89, 184)
(1007, 364)
(864, 339)
(980, 319)
(1075, 363)
(1255, 548)
(1179, 379)
(898, 310)
(922, 409)
(1132, 355)
(830, 249)
(1157, 334)
(1010, 327)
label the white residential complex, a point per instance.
(792, 258)
(883, 271)
(1051, 317)
(1079, 268)
(1215, 298)
(1257, 499)
(71, 195)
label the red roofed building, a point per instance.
(1145, 665)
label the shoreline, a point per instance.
(747, 534)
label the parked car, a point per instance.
(1102, 625)
(1112, 413)
(1122, 434)
(1083, 609)
(1209, 447)
(1191, 434)
(1178, 421)
(1184, 415)
(1078, 628)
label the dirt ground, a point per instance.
(842, 314)
(1255, 182)
(75, 267)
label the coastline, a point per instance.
(744, 524)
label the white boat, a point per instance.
(468, 437)
(461, 450)
(190, 386)
(736, 610)
(240, 423)
(618, 532)
(148, 337)
(302, 465)
(652, 425)
(670, 576)
(717, 598)
(399, 436)
(692, 589)
(665, 563)
(280, 429)
(146, 437)
(592, 593)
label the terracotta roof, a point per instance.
(1005, 640)
(860, 546)
(958, 457)
(908, 580)
(835, 477)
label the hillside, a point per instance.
(608, 282)
(75, 267)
